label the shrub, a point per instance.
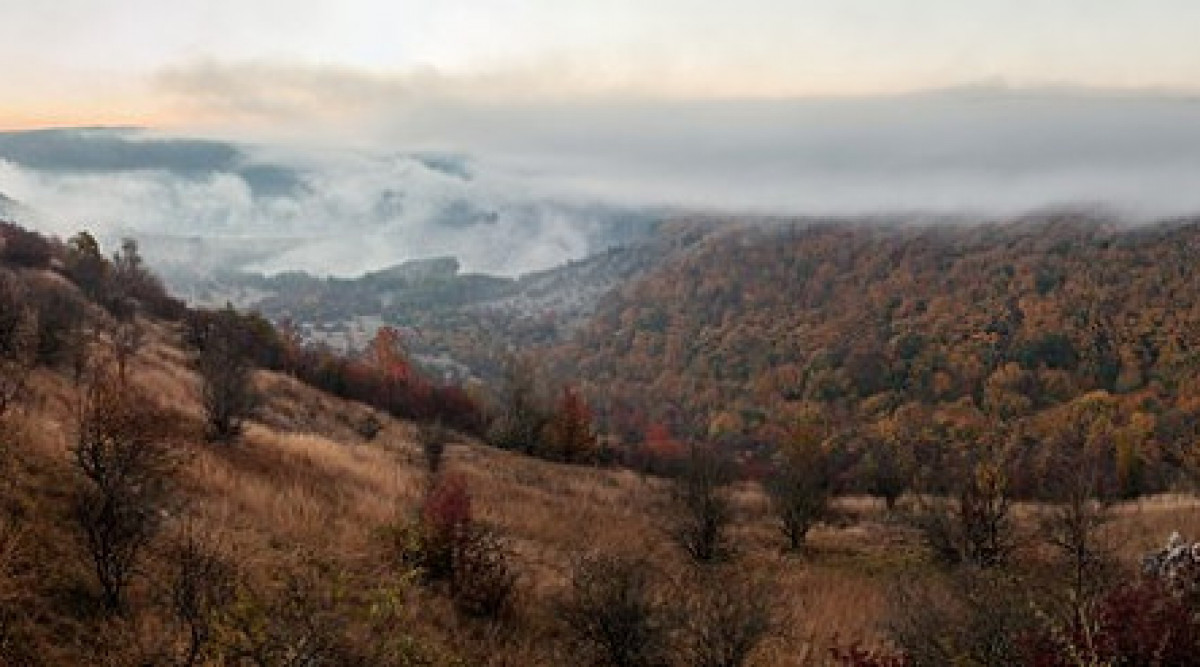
(855, 655)
(800, 489)
(18, 595)
(449, 547)
(1139, 624)
(445, 520)
(14, 311)
(569, 436)
(257, 340)
(18, 342)
(977, 617)
(60, 317)
(200, 586)
(434, 439)
(1177, 566)
(973, 525)
(407, 395)
(23, 248)
(699, 510)
(226, 373)
(369, 427)
(124, 490)
(617, 613)
(523, 416)
(483, 581)
(727, 619)
(299, 624)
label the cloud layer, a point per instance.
(279, 209)
(512, 187)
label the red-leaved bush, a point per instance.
(384, 378)
(471, 558)
(445, 521)
(1137, 624)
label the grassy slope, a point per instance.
(303, 493)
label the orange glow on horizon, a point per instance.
(15, 121)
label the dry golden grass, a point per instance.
(1144, 525)
(303, 488)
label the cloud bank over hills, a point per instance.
(280, 209)
(509, 188)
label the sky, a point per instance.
(242, 64)
(568, 117)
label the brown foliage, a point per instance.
(1010, 320)
(977, 618)
(569, 436)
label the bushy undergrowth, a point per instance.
(408, 395)
(618, 611)
(450, 548)
(625, 611)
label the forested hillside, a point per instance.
(918, 338)
(190, 487)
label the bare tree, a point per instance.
(201, 584)
(1073, 519)
(127, 336)
(699, 508)
(124, 490)
(973, 522)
